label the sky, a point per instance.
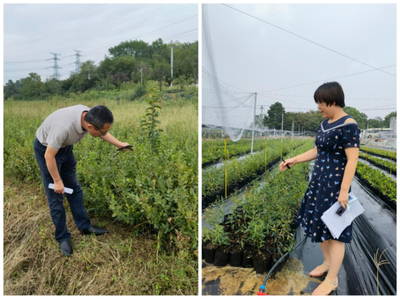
(253, 56)
(33, 31)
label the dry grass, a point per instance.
(119, 263)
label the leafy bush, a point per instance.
(378, 180)
(379, 152)
(139, 91)
(379, 162)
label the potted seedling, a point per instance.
(209, 246)
(220, 239)
(235, 249)
(248, 248)
(257, 234)
(284, 241)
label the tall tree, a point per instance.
(308, 121)
(160, 69)
(274, 120)
(137, 49)
(162, 49)
(32, 87)
(12, 89)
(52, 87)
(376, 122)
(185, 60)
(386, 121)
(86, 78)
(359, 117)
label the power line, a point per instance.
(37, 60)
(315, 43)
(324, 80)
(182, 33)
(146, 33)
(377, 109)
(285, 100)
(347, 98)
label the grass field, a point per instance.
(151, 248)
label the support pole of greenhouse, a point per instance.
(292, 129)
(254, 121)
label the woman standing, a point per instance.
(336, 150)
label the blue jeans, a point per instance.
(66, 165)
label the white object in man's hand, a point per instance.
(66, 190)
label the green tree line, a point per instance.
(311, 120)
(130, 61)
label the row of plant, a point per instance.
(379, 152)
(154, 187)
(241, 172)
(260, 229)
(378, 182)
(382, 164)
(214, 150)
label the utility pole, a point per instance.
(292, 129)
(262, 121)
(56, 74)
(172, 64)
(254, 121)
(282, 124)
(141, 74)
(78, 61)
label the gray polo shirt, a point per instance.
(63, 127)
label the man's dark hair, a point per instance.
(99, 116)
(330, 93)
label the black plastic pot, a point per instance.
(204, 244)
(221, 258)
(209, 255)
(236, 259)
(248, 257)
(261, 266)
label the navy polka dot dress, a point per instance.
(324, 188)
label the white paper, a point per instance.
(337, 224)
(66, 190)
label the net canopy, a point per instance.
(224, 105)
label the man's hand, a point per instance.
(59, 187)
(123, 144)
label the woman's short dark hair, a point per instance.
(99, 116)
(330, 93)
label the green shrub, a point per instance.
(139, 91)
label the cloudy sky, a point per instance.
(32, 31)
(258, 57)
